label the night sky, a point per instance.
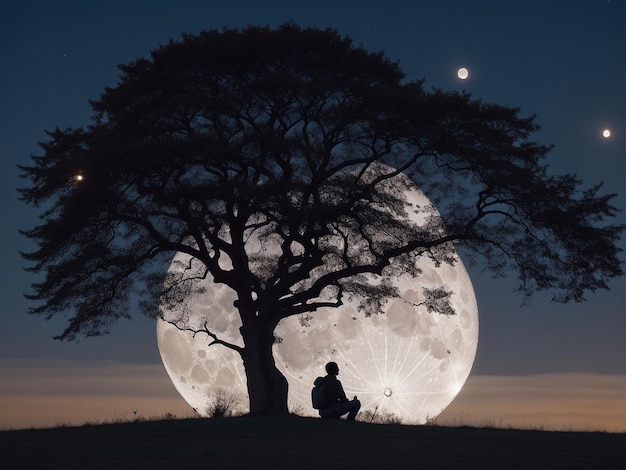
(561, 60)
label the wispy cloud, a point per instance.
(49, 393)
(570, 401)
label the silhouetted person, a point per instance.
(336, 404)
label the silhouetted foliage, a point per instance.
(305, 143)
(222, 404)
(377, 416)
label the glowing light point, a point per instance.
(606, 133)
(462, 73)
(78, 177)
(387, 392)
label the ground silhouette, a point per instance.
(292, 442)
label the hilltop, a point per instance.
(303, 443)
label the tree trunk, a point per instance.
(267, 386)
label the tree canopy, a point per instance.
(302, 141)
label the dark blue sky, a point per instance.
(561, 60)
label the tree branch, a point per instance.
(205, 329)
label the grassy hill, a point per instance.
(303, 443)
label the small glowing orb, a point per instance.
(606, 133)
(407, 362)
(78, 177)
(462, 73)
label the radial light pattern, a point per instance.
(405, 364)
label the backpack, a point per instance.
(318, 395)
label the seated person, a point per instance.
(336, 404)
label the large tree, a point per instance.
(297, 140)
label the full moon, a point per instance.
(606, 133)
(462, 73)
(407, 363)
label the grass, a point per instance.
(302, 443)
